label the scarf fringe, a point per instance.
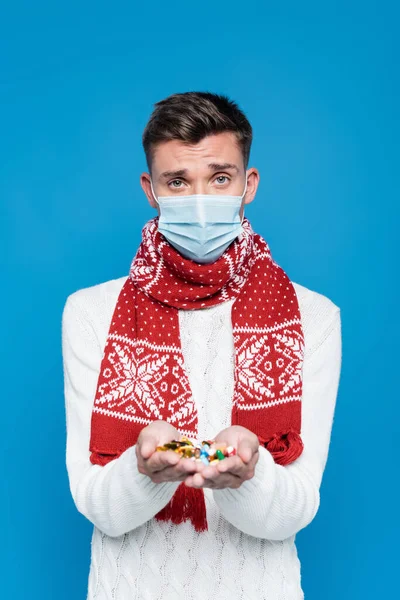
(285, 447)
(186, 504)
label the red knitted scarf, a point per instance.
(142, 374)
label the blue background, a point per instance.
(319, 82)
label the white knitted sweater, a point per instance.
(249, 550)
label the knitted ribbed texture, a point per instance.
(248, 551)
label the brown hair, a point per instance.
(191, 116)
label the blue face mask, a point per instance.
(200, 226)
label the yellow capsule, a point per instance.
(187, 452)
(186, 440)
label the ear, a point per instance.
(146, 187)
(253, 178)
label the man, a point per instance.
(206, 337)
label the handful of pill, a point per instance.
(207, 451)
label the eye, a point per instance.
(224, 178)
(173, 182)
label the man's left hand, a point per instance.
(232, 471)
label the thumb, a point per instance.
(148, 446)
(244, 451)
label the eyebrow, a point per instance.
(222, 167)
(213, 166)
(178, 173)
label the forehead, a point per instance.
(219, 149)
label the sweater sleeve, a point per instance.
(116, 498)
(281, 500)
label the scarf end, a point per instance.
(186, 504)
(285, 447)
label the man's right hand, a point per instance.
(166, 465)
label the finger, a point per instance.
(213, 474)
(168, 474)
(248, 470)
(236, 466)
(223, 480)
(197, 480)
(229, 464)
(209, 472)
(184, 467)
(160, 460)
(148, 446)
(187, 465)
(244, 452)
(247, 447)
(189, 480)
(170, 459)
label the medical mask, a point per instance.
(200, 226)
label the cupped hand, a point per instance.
(166, 465)
(232, 471)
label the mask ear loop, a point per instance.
(152, 191)
(242, 196)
